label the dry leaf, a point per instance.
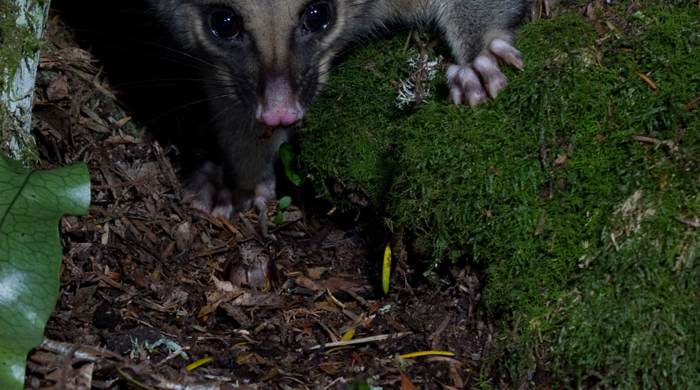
(598, 28)
(316, 272)
(560, 160)
(406, 383)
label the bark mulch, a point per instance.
(150, 287)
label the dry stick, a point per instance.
(86, 352)
(334, 381)
(227, 224)
(357, 297)
(689, 223)
(328, 330)
(172, 356)
(408, 40)
(359, 341)
(646, 140)
(133, 381)
(419, 67)
(124, 184)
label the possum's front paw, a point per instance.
(207, 191)
(482, 79)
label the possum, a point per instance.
(264, 62)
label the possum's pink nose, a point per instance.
(280, 117)
(279, 103)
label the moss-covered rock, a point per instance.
(578, 186)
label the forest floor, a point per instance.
(150, 287)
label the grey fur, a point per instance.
(274, 63)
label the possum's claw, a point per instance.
(465, 83)
(263, 192)
(207, 192)
(483, 78)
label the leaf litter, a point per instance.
(147, 299)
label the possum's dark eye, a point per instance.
(225, 24)
(316, 17)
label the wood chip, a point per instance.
(143, 228)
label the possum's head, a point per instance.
(270, 56)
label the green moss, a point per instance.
(15, 42)
(350, 133)
(585, 254)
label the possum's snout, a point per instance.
(280, 105)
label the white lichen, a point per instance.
(428, 71)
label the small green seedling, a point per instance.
(287, 155)
(283, 204)
(359, 385)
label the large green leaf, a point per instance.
(31, 204)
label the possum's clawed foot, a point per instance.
(207, 192)
(483, 78)
(263, 191)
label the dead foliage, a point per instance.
(150, 286)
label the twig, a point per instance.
(123, 184)
(357, 297)
(128, 378)
(360, 341)
(689, 223)
(419, 69)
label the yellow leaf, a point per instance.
(386, 269)
(348, 335)
(275, 370)
(198, 363)
(425, 353)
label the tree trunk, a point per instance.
(22, 25)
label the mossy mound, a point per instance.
(578, 186)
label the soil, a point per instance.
(150, 286)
